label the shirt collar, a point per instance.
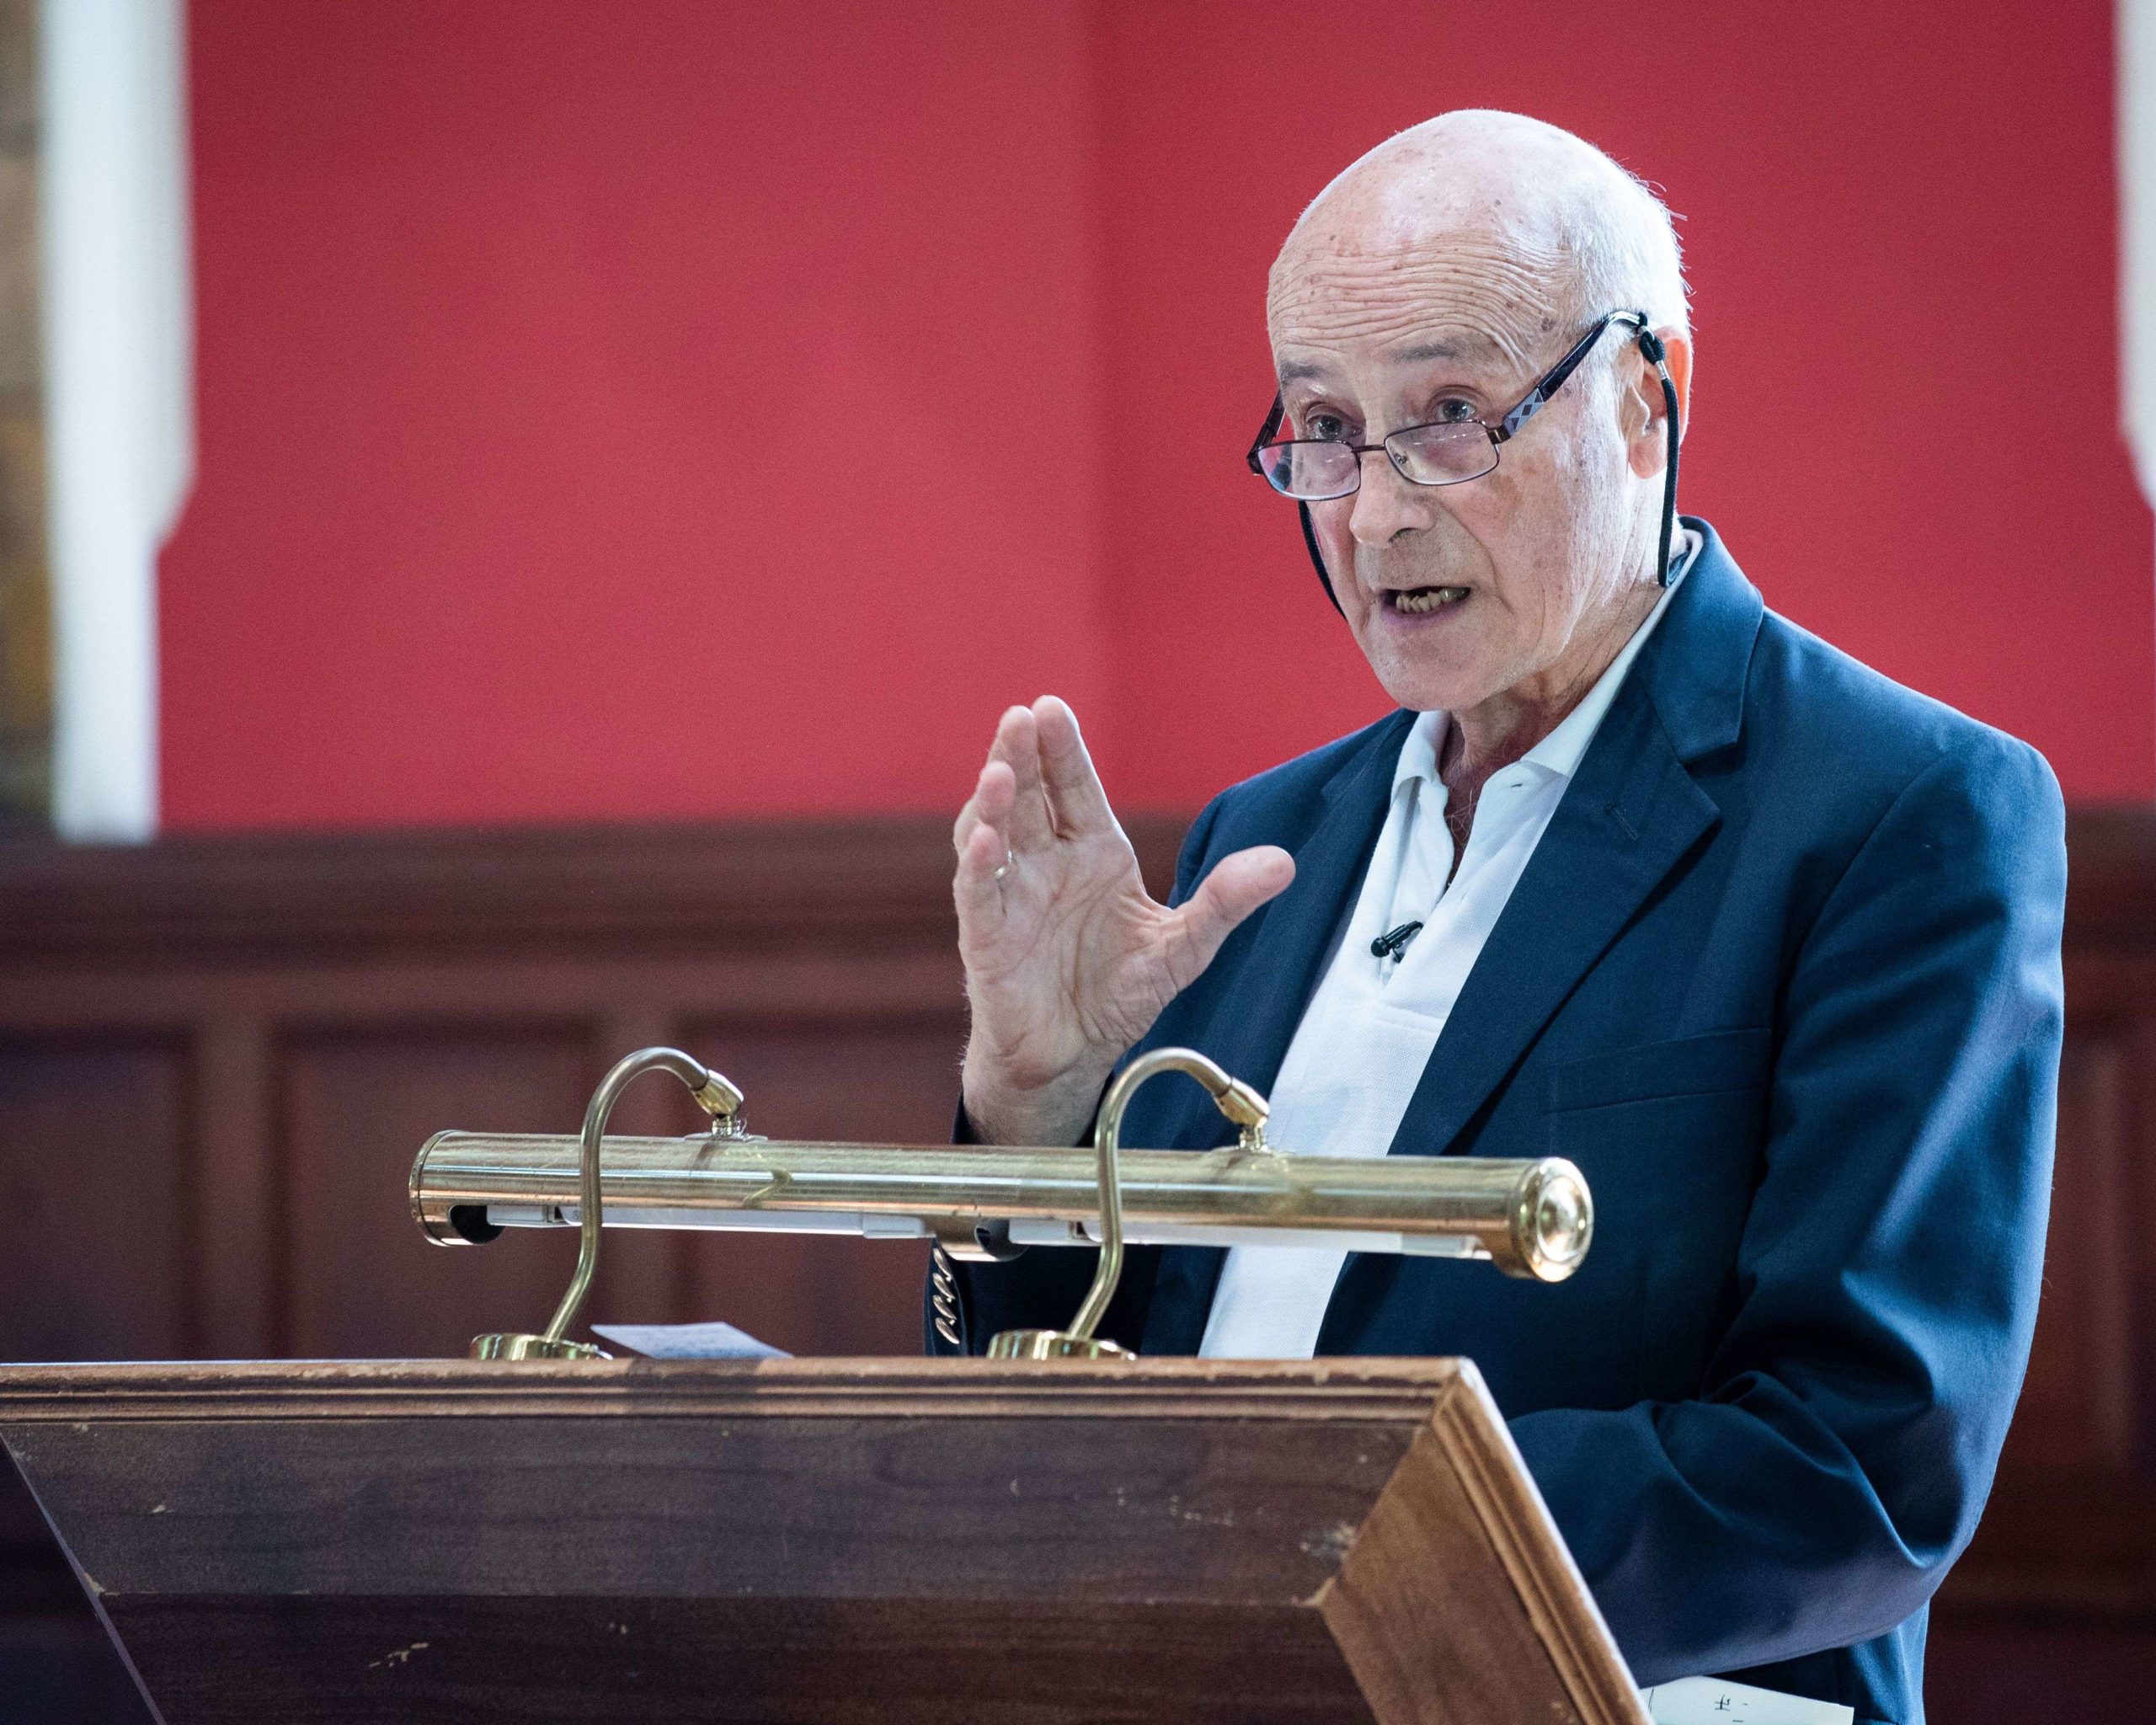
(1559, 753)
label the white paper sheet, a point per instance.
(1715, 1700)
(713, 1341)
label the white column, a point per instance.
(2137, 144)
(118, 368)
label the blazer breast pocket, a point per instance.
(1721, 1062)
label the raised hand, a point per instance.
(1068, 959)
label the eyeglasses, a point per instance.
(1314, 470)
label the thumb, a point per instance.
(1237, 885)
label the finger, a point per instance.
(975, 889)
(1238, 886)
(1076, 800)
(990, 803)
(1018, 746)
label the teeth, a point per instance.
(1424, 599)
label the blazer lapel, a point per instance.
(1630, 816)
(1264, 1002)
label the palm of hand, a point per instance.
(1069, 960)
(1079, 961)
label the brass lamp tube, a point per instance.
(1532, 1219)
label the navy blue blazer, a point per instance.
(1783, 978)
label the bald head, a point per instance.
(1568, 233)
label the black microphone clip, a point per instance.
(1391, 946)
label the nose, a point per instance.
(1387, 504)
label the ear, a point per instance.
(1650, 437)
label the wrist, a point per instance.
(1057, 1110)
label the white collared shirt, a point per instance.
(1373, 1023)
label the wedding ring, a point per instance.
(1004, 867)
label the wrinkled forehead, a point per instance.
(1493, 288)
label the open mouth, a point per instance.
(1418, 601)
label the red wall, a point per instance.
(691, 409)
(622, 411)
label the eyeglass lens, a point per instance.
(1428, 455)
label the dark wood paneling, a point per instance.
(2052, 1613)
(2037, 1673)
(96, 1198)
(859, 887)
(355, 1280)
(2078, 1407)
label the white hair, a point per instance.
(1625, 254)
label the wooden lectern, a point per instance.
(819, 1541)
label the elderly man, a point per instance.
(1640, 874)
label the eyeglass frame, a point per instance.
(1536, 399)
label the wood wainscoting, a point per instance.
(219, 1056)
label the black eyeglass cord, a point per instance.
(1657, 355)
(1317, 557)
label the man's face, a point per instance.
(1457, 593)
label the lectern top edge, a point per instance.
(1194, 1389)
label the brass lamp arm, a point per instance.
(714, 1094)
(1234, 1098)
